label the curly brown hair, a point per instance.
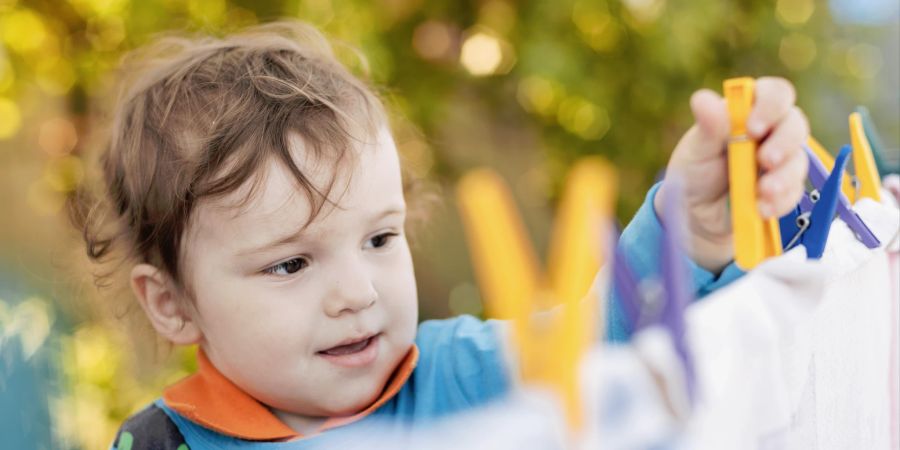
(198, 117)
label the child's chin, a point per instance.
(350, 403)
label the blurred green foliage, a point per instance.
(526, 87)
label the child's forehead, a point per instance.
(273, 191)
(348, 182)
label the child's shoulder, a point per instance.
(151, 428)
(465, 352)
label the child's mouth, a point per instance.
(355, 354)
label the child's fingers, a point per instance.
(781, 187)
(786, 139)
(711, 115)
(774, 98)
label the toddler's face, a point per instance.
(309, 321)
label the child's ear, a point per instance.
(161, 302)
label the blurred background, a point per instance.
(525, 87)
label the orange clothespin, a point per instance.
(755, 238)
(828, 162)
(549, 346)
(863, 162)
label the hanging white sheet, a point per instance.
(803, 354)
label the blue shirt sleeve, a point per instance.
(462, 364)
(638, 244)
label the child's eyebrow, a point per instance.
(294, 236)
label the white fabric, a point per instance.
(796, 354)
(894, 374)
(622, 392)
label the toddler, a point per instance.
(253, 188)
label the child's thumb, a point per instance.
(712, 127)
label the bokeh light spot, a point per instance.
(583, 118)
(538, 95)
(55, 75)
(7, 76)
(100, 8)
(596, 26)
(43, 199)
(64, 174)
(30, 320)
(57, 136)
(864, 61)
(434, 41)
(22, 30)
(481, 54)
(106, 34)
(10, 118)
(645, 11)
(794, 12)
(797, 51)
(95, 356)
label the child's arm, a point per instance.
(700, 160)
(640, 245)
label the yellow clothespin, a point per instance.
(755, 238)
(573, 260)
(828, 162)
(505, 263)
(585, 207)
(863, 162)
(550, 345)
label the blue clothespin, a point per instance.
(796, 221)
(822, 215)
(810, 222)
(818, 176)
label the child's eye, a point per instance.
(288, 267)
(382, 239)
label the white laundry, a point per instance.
(894, 374)
(797, 353)
(627, 407)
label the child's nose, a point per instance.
(353, 291)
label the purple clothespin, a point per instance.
(626, 285)
(818, 175)
(675, 279)
(661, 301)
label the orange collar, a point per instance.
(209, 399)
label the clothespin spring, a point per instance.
(803, 223)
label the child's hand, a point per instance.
(700, 159)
